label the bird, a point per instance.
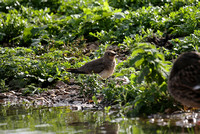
(103, 66)
(184, 79)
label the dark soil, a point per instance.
(61, 95)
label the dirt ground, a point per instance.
(62, 95)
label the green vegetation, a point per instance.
(39, 39)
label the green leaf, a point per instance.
(119, 15)
(144, 72)
(50, 79)
(40, 79)
(94, 98)
(139, 62)
(135, 59)
(136, 51)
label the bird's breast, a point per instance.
(107, 72)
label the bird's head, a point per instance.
(109, 54)
(184, 60)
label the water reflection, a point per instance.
(22, 120)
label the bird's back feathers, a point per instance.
(72, 70)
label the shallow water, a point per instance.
(43, 120)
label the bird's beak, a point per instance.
(114, 54)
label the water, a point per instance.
(62, 120)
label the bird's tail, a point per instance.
(73, 70)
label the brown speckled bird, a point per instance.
(103, 66)
(184, 79)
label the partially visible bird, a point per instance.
(184, 79)
(103, 66)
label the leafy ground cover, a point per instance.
(39, 39)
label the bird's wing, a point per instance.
(190, 76)
(95, 66)
(73, 70)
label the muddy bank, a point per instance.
(62, 95)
